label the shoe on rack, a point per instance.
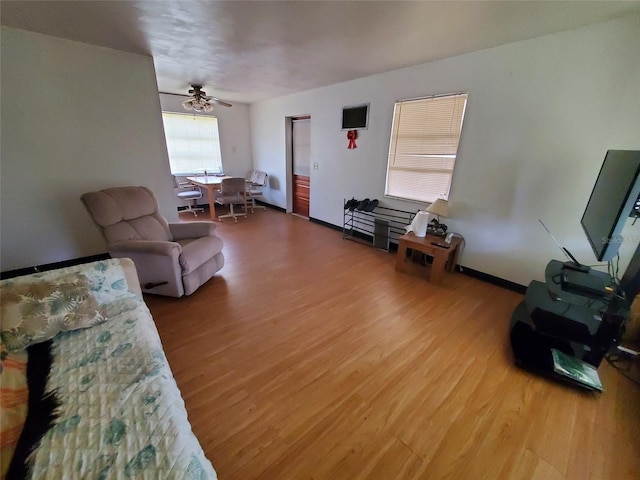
(354, 204)
(371, 206)
(351, 203)
(363, 204)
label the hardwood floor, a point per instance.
(309, 357)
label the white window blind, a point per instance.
(423, 148)
(193, 143)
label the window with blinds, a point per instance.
(423, 148)
(193, 143)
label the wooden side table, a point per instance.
(443, 258)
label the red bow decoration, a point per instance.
(351, 136)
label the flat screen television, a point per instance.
(355, 117)
(611, 202)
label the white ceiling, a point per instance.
(248, 51)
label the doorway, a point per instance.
(301, 164)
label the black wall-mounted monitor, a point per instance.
(612, 200)
(355, 117)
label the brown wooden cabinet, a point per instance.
(301, 186)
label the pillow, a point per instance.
(106, 278)
(37, 311)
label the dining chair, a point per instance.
(254, 188)
(189, 193)
(232, 192)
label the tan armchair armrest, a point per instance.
(157, 262)
(192, 230)
(149, 247)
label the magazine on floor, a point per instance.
(576, 370)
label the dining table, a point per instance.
(212, 184)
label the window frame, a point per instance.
(394, 143)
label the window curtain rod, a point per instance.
(456, 94)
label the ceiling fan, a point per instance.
(199, 101)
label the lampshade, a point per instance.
(440, 207)
(197, 104)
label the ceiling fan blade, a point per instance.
(207, 98)
(220, 102)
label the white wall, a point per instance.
(75, 118)
(540, 117)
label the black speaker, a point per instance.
(551, 323)
(531, 349)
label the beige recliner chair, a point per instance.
(172, 259)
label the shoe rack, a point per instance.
(378, 228)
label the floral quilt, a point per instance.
(121, 413)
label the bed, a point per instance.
(107, 398)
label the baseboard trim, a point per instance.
(52, 266)
(485, 277)
(273, 207)
(325, 224)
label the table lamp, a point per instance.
(438, 208)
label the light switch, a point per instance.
(315, 165)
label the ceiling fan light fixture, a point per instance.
(199, 102)
(197, 105)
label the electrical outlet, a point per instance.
(315, 165)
